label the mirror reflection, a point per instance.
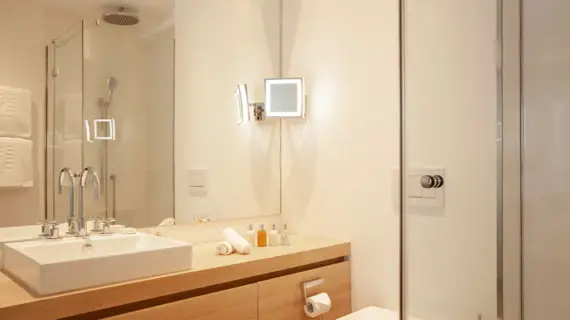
(92, 85)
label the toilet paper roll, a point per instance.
(318, 305)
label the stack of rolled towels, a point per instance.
(233, 242)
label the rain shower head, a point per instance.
(121, 17)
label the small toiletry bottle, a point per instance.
(274, 238)
(261, 237)
(250, 235)
(285, 237)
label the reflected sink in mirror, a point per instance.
(97, 260)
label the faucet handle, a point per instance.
(98, 224)
(45, 225)
(53, 230)
(72, 225)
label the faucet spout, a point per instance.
(64, 174)
(87, 172)
(83, 181)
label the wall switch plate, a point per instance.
(198, 182)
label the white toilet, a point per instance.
(373, 313)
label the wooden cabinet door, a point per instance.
(282, 298)
(235, 304)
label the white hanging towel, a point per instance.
(16, 163)
(15, 112)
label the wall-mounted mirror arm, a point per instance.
(284, 98)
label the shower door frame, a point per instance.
(51, 103)
(509, 221)
(513, 228)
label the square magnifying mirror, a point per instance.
(284, 97)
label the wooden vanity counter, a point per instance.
(210, 273)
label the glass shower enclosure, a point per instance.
(111, 107)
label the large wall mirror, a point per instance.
(142, 92)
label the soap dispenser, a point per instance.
(262, 237)
(274, 238)
(250, 235)
(285, 236)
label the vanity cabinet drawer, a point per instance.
(236, 304)
(282, 298)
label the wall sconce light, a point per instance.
(242, 103)
(107, 126)
(100, 125)
(284, 98)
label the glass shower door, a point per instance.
(66, 127)
(450, 152)
(546, 159)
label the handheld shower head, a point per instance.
(112, 84)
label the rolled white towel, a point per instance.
(238, 242)
(168, 222)
(224, 248)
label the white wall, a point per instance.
(337, 167)
(220, 44)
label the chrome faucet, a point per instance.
(67, 173)
(87, 172)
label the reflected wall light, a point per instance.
(242, 103)
(104, 125)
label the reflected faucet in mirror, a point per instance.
(83, 181)
(71, 221)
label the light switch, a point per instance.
(198, 182)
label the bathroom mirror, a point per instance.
(284, 97)
(225, 169)
(92, 84)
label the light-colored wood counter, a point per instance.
(207, 270)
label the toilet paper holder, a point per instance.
(311, 284)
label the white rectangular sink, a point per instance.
(22, 233)
(53, 266)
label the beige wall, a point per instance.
(220, 44)
(160, 127)
(338, 164)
